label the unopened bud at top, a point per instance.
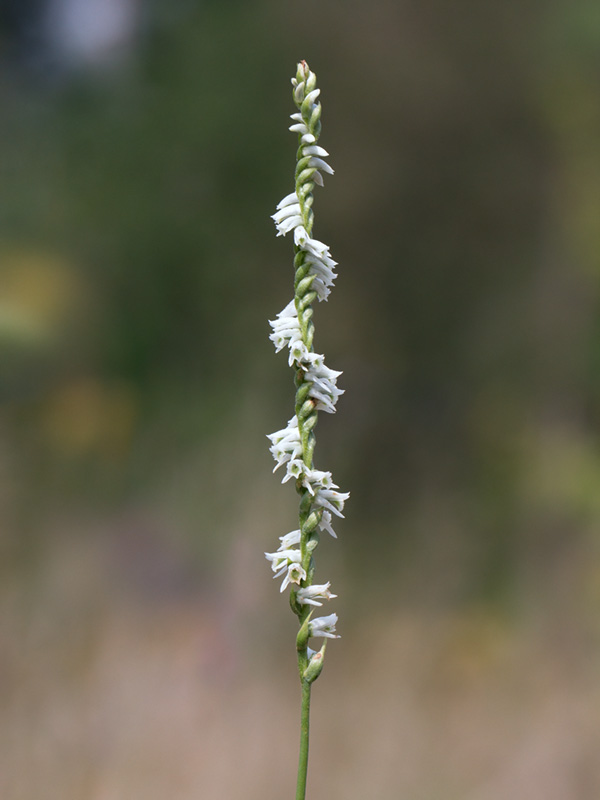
(302, 72)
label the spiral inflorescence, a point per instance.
(316, 384)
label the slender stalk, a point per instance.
(304, 733)
(316, 390)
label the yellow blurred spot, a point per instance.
(563, 473)
(38, 294)
(90, 417)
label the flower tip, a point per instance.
(303, 71)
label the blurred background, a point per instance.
(145, 651)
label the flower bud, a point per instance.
(303, 72)
(313, 520)
(315, 666)
(303, 634)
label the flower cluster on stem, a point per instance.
(293, 447)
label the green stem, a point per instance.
(304, 725)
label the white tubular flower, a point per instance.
(288, 562)
(288, 200)
(301, 128)
(318, 368)
(316, 478)
(315, 155)
(282, 559)
(324, 626)
(325, 524)
(324, 389)
(314, 246)
(287, 217)
(286, 443)
(298, 352)
(325, 392)
(319, 164)
(326, 398)
(286, 328)
(311, 97)
(295, 574)
(314, 150)
(286, 331)
(331, 500)
(310, 595)
(290, 539)
(298, 127)
(322, 269)
(295, 469)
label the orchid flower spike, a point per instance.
(292, 447)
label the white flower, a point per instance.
(325, 524)
(319, 479)
(318, 368)
(288, 200)
(287, 561)
(287, 210)
(294, 469)
(288, 215)
(295, 574)
(323, 265)
(314, 246)
(322, 268)
(320, 165)
(323, 379)
(299, 127)
(326, 399)
(310, 595)
(286, 328)
(291, 538)
(311, 97)
(286, 443)
(282, 559)
(298, 352)
(314, 150)
(331, 500)
(314, 153)
(298, 91)
(324, 626)
(286, 331)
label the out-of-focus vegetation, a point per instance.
(138, 267)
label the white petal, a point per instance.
(325, 524)
(293, 537)
(288, 200)
(320, 164)
(315, 150)
(286, 211)
(288, 224)
(312, 96)
(324, 626)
